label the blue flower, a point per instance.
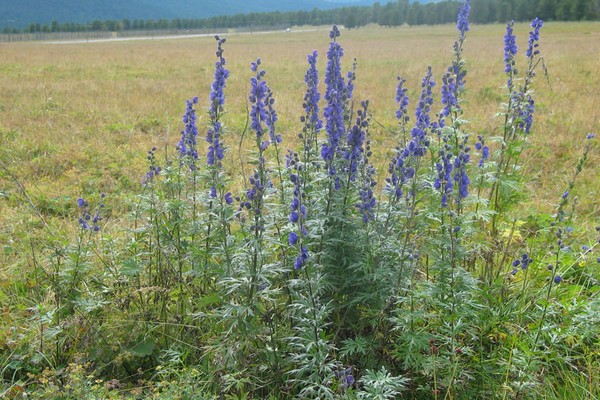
(86, 220)
(402, 100)
(485, 151)
(217, 95)
(510, 50)
(312, 96)
(293, 238)
(367, 203)
(258, 95)
(301, 259)
(335, 91)
(419, 143)
(187, 144)
(462, 20)
(355, 141)
(534, 37)
(558, 279)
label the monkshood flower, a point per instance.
(367, 203)
(346, 378)
(403, 101)
(396, 170)
(258, 94)
(462, 20)
(523, 262)
(298, 212)
(534, 37)
(153, 169)
(254, 195)
(351, 77)
(510, 51)
(460, 172)
(86, 220)
(333, 112)
(187, 146)
(271, 117)
(528, 108)
(217, 101)
(443, 181)
(450, 87)
(301, 259)
(216, 152)
(355, 140)
(485, 151)
(312, 96)
(419, 143)
(217, 94)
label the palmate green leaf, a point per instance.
(131, 267)
(357, 345)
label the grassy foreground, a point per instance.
(78, 119)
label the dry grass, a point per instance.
(76, 119)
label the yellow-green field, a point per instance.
(77, 119)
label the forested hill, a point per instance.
(394, 13)
(22, 13)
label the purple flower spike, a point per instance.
(462, 21)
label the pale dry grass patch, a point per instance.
(76, 119)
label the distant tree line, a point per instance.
(391, 14)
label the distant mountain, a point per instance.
(22, 13)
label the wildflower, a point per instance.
(187, 144)
(460, 174)
(558, 279)
(293, 238)
(366, 195)
(534, 37)
(86, 220)
(485, 151)
(462, 21)
(228, 198)
(450, 88)
(419, 142)
(346, 378)
(217, 95)
(527, 114)
(297, 212)
(258, 94)
(271, 117)
(590, 136)
(402, 100)
(301, 259)
(334, 96)
(443, 182)
(355, 140)
(510, 50)
(312, 96)
(153, 169)
(217, 101)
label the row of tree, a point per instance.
(391, 14)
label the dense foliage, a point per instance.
(324, 278)
(391, 14)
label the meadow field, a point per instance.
(78, 119)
